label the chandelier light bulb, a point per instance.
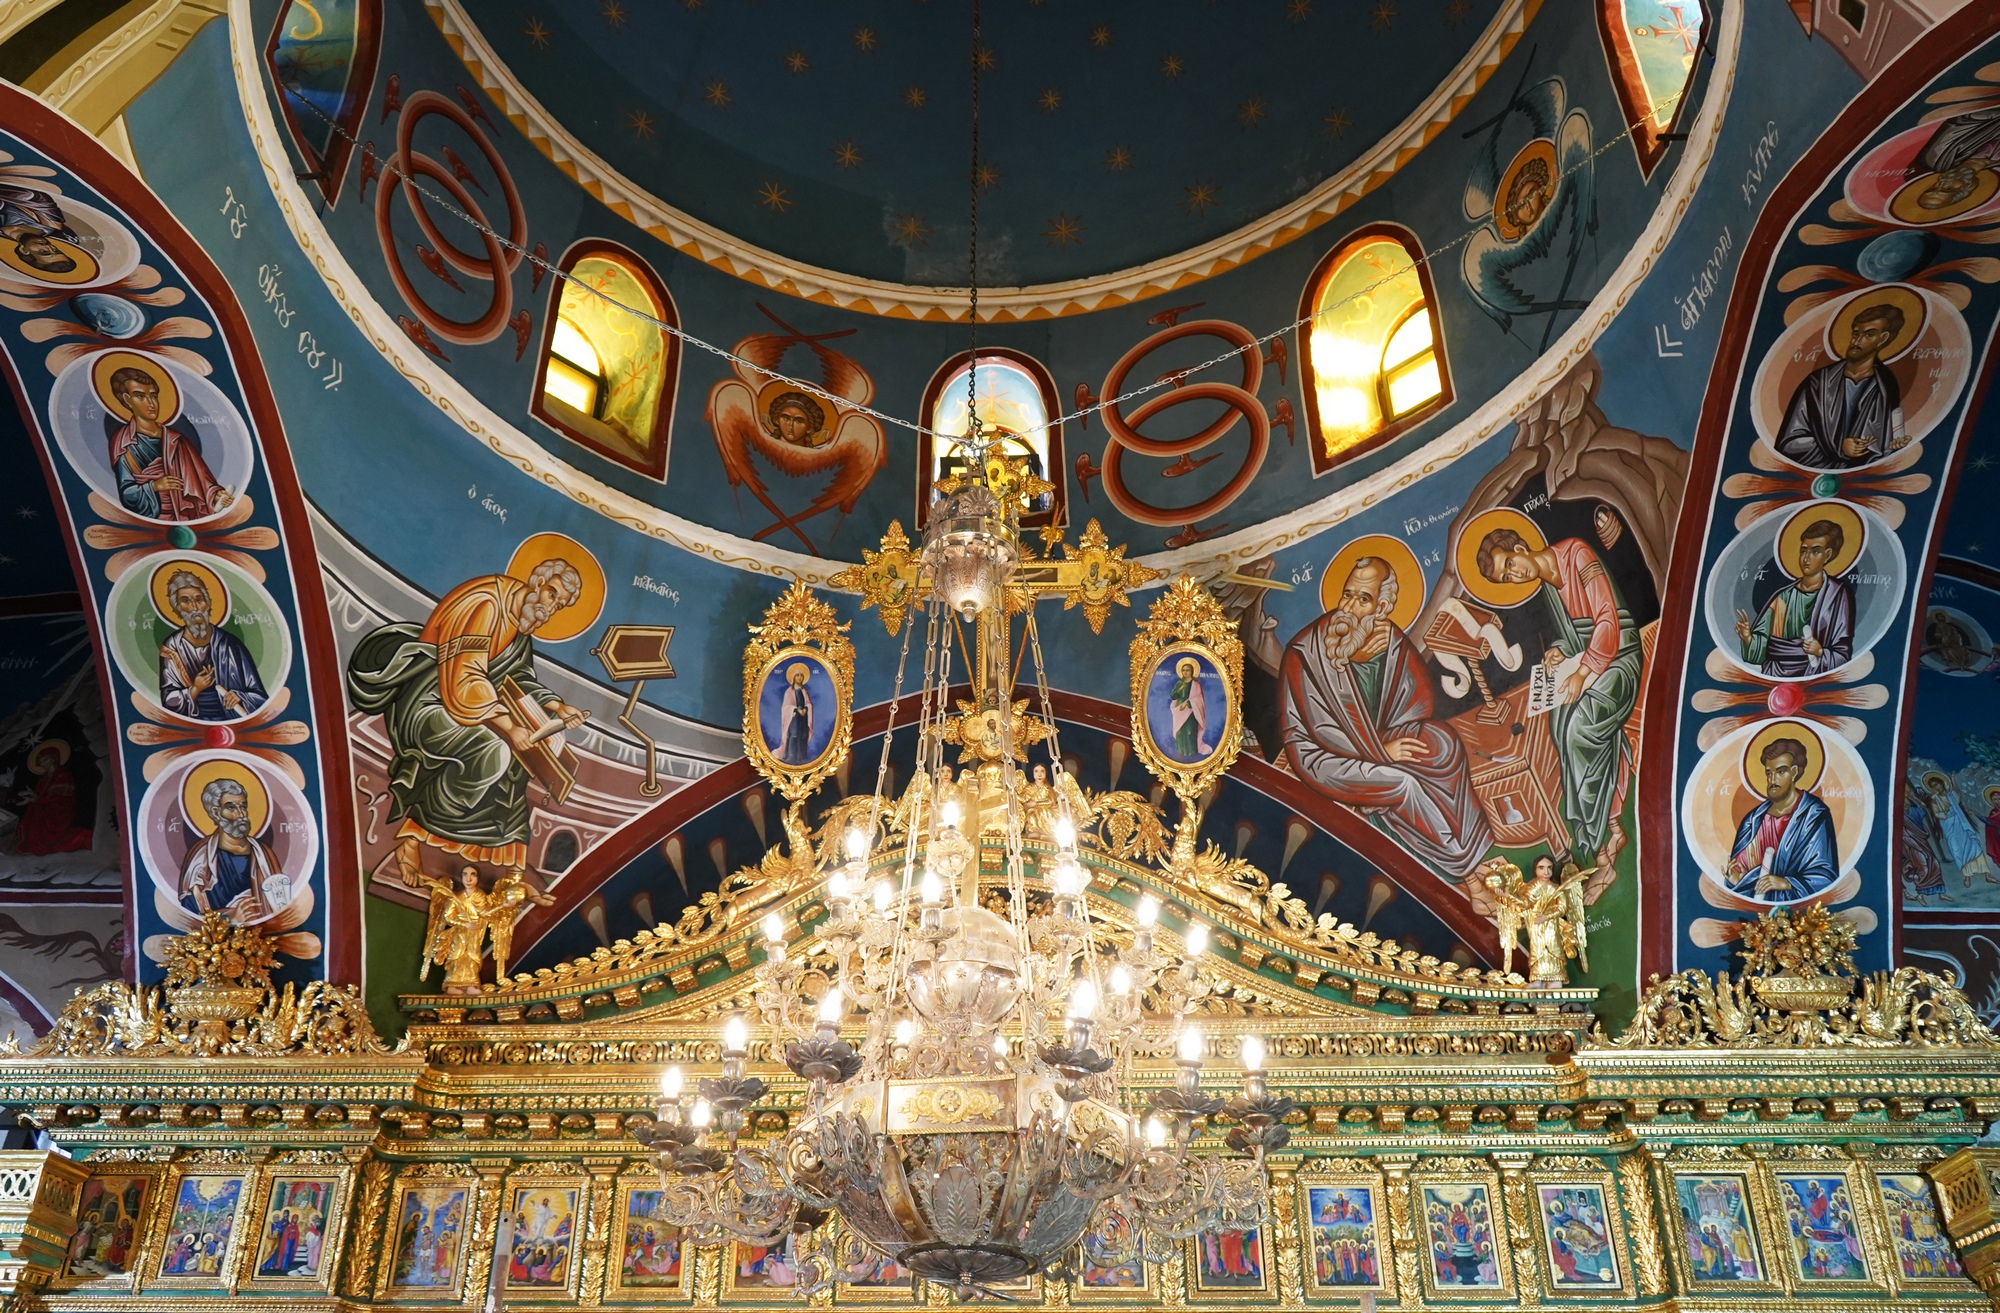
(670, 1083)
(949, 814)
(906, 1031)
(838, 887)
(1253, 1053)
(1190, 1044)
(882, 894)
(1000, 1045)
(1156, 1132)
(1065, 833)
(932, 888)
(1068, 879)
(774, 928)
(700, 1115)
(830, 1008)
(735, 1035)
(1149, 911)
(1197, 939)
(1121, 980)
(857, 845)
(1083, 1000)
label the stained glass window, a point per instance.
(608, 369)
(1015, 397)
(1651, 46)
(1373, 358)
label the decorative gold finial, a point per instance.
(886, 580)
(1098, 575)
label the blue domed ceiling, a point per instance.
(1115, 133)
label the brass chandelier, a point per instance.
(966, 1030)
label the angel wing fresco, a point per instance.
(798, 433)
(1523, 200)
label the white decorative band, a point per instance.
(521, 451)
(765, 268)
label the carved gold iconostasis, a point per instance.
(1461, 1138)
(1791, 1114)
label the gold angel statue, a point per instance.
(1550, 908)
(462, 920)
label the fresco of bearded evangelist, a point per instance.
(450, 694)
(1359, 724)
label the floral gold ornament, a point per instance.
(1800, 989)
(217, 1002)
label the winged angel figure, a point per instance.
(801, 434)
(1550, 908)
(1523, 202)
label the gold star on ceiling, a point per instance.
(1253, 111)
(1382, 15)
(1118, 159)
(1050, 100)
(796, 61)
(914, 96)
(640, 124)
(847, 155)
(1100, 36)
(1455, 12)
(1172, 67)
(614, 15)
(864, 39)
(1336, 123)
(1200, 197)
(538, 36)
(1064, 230)
(774, 197)
(1298, 11)
(986, 177)
(984, 59)
(716, 92)
(690, 5)
(910, 230)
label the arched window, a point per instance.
(1651, 46)
(1016, 396)
(1374, 352)
(607, 376)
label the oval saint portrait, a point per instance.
(199, 638)
(1943, 171)
(1190, 713)
(51, 240)
(1955, 643)
(1798, 595)
(1851, 383)
(223, 831)
(798, 708)
(1778, 812)
(152, 437)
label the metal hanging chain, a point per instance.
(1172, 379)
(889, 730)
(974, 436)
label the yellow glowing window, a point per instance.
(1409, 366)
(576, 375)
(1372, 355)
(608, 367)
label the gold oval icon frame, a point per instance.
(798, 627)
(1187, 618)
